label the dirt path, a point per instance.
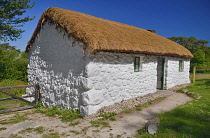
(126, 124)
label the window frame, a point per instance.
(181, 65)
(137, 66)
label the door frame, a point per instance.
(163, 74)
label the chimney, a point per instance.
(153, 31)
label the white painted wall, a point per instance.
(111, 79)
(58, 67)
(173, 76)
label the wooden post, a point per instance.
(37, 94)
(194, 71)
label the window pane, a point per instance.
(137, 60)
(181, 66)
(136, 64)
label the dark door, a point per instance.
(160, 73)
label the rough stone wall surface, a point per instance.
(173, 76)
(58, 65)
(111, 78)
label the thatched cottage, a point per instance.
(85, 62)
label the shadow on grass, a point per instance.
(181, 122)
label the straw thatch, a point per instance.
(105, 35)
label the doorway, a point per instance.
(161, 65)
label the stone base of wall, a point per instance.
(176, 88)
(125, 104)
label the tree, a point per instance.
(199, 59)
(6, 46)
(198, 48)
(10, 20)
(13, 63)
(190, 43)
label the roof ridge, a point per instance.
(104, 35)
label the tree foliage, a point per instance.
(10, 18)
(198, 48)
(13, 63)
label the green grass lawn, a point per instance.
(191, 120)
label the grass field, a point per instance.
(191, 120)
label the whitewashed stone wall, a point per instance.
(111, 78)
(173, 76)
(58, 65)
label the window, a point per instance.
(181, 65)
(137, 64)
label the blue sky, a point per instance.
(168, 17)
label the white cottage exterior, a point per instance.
(75, 71)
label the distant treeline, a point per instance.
(13, 63)
(199, 49)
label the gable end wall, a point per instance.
(57, 64)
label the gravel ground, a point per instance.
(126, 124)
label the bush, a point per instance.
(13, 63)
(207, 83)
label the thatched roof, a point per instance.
(105, 35)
